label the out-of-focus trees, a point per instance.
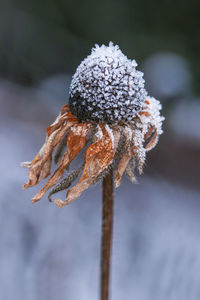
(39, 38)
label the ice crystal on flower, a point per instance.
(110, 112)
(107, 87)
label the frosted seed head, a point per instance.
(106, 79)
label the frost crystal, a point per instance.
(107, 87)
(154, 118)
(108, 108)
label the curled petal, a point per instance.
(59, 121)
(152, 140)
(37, 164)
(59, 148)
(140, 156)
(125, 156)
(66, 182)
(121, 146)
(76, 140)
(64, 109)
(46, 151)
(121, 167)
(130, 171)
(97, 158)
(149, 132)
(46, 169)
(26, 164)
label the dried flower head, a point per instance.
(110, 111)
(107, 87)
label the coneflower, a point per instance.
(109, 110)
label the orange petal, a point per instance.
(46, 169)
(121, 167)
(38, 162)
(59, 121)
(147, 114)
(65, 109)
(125, 155)
(97, 158)
(152, 141)
(149, 132)
(76, 140)
(46, 151)
(130, 171)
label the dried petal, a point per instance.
(122, 165)
(60, 147)
(125, 156)
(130, 171)
(64, 109)
(59, 121)
(140, 156)
(98, 157)
(149, 132)
(66, 182)
(46, 169)
(76, 140)
(26, 164)
(46, 151)
(152, 142)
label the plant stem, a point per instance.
(107, 228)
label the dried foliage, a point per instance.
(139, 136)
(119, 123)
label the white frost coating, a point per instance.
(130, 132)
(25, 164)
(140, 152)
(109, 130)
(155, 119)
(99, 133)
(79, 130)
(107, 81)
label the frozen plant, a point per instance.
(110, 111)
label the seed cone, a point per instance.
(106, 87)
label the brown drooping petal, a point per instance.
(46, 151)
(121, 167)
(153, 140)
(129, 171)
(46, 169)
(28, 164)
(59, 121)
(98, 157)
(140, 157)
(76, 140)
(124, 157)
(60, 147)
(66, 182)
(149, 132)
(64, 109)
(38, 162)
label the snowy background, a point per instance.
(51, 253)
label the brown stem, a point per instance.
(107, 228)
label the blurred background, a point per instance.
(51, 253)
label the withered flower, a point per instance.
(110, 111)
